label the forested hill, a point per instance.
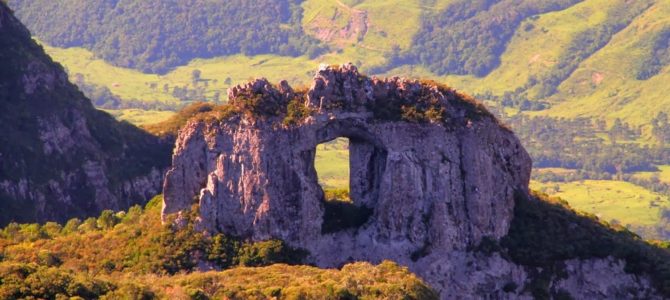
(156, 36)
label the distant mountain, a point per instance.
(59, 156)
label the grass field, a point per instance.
(332, 164)
(217, 74)
(140, 117)
(603, 86)
(610, 200)
(663, 174)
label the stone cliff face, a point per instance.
(60, 157)
(435, 171)
(447, 183)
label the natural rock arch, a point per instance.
(437, 168)
(439, 171)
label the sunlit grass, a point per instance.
(332, 164)
(610, 200)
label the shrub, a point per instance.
(71, 226)
(90, 224)
(269, 252)
(223, 250)
(296, 111)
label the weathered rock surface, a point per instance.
(447, 184)
(437, 171)
(60, 157)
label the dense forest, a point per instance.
(156, 36)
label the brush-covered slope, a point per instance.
(142, 259)
(59, 156)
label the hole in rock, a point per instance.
(348, 171)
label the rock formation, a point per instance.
(435, 171)
(443, 181)
(59, 156)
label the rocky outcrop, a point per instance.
(443, 180)
(434, 174)
(59, 157)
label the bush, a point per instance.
(296, 111)
(269, 252)
(71, 226)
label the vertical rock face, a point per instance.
(450, 181)
(59, 156)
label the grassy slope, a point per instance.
(610, 200)
(620, 94)
(140, 117)
(384, 28)
(332, 164)
(530, 52)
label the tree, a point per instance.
(107, 220)
(89, 224)
(195, 76)
(71, 226)
(52, 229)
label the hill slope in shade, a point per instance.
(59, 156)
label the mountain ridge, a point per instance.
(59, 156)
